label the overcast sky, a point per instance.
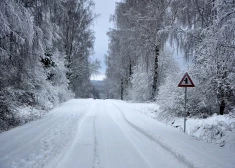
(104, 8)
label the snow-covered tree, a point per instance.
(202, 30)
(140, 39)
(45, 48)
(205, 31)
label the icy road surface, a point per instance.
(105, 134)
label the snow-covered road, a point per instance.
(105, 134)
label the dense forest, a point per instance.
(45, 48)
(148, 34)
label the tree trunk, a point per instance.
(130, 70)
(155, 75)
(222, 107)
(122, 88)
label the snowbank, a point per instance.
(217, 129)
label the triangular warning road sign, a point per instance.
(186, 81)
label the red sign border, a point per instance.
(181, 85)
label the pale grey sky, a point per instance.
(105, 8)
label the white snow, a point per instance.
(217, 129)
(106, 134)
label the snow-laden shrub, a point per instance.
(139, 89)
(216, 133)
(232, 112)
(170, 97)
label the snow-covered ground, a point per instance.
(106, 134)
(217, 129)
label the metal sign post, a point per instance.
(185, 82)
(185, 108)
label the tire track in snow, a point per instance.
(54, 140)
(176, 155)
(42, 142)
(82, 151)
(105, 146)
(135, 147)
(96, 157)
